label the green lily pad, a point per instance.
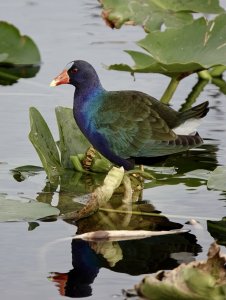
(217, 180)
(15, 48)
(28, 169)
(152, 14)
(43, 141)
(19, 55)
(13, 210)
(21, 173)
(200, 45)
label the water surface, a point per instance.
(32, 266)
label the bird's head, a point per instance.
(77, 73)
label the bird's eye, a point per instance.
(74, 70)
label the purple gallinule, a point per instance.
(125, 125)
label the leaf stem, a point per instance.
(194, 94)
(166, 97)
(217, 71)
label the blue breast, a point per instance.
(86, 106)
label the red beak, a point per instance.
(62, 78)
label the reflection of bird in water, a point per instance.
(157, 253)
(123, 125)
(77, 282)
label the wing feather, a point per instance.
(128, 120)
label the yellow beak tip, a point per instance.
(53, 83)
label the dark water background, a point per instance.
(63, 31)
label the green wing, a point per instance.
(129, 120)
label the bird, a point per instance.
(127, 125)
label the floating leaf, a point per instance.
(217, 180)
(13, 210)
(21, 173)
(72, 141)
(19, 56)
(153, 14)
(196, 280)
(16, 48)
(28, 169)
(43, 141)
(200, 45)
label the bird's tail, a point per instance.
(198, 112)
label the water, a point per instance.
(73, 30)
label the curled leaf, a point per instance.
(197, 280)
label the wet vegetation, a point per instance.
(117, 228)
(199, 43)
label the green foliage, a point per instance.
(152, 14)
(99, 163)
(72, 141)
(199, 45)
(19, 55)
(16, 48)
(43, 141)
(196, 280)
(187, 45)
(73, 150)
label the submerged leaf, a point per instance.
(217, 179)
(13, 210)
(43, 141)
